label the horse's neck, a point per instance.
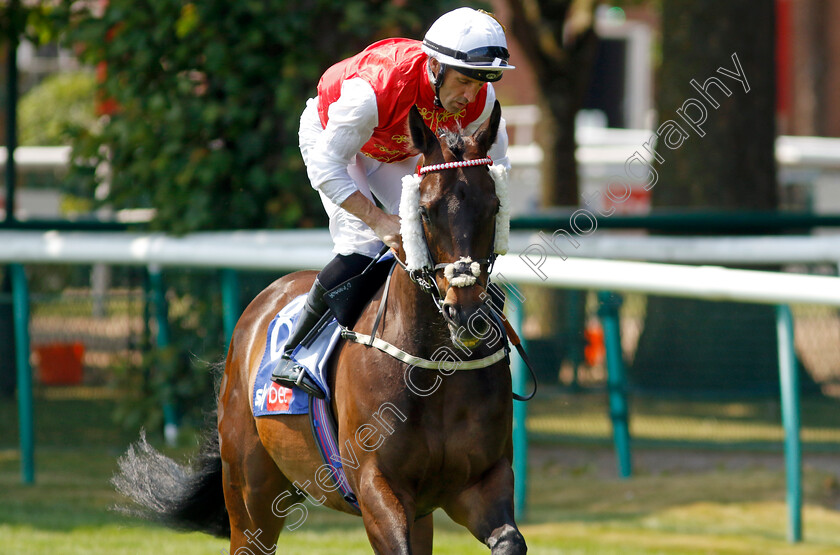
(413, 322)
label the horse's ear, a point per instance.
(422, 137)
(485, 135)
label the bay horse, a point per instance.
(412, 440)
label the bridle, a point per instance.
(460, 273)
(421, 269)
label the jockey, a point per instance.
(354, 141)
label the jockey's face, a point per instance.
(457, 89)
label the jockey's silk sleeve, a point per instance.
(352, 119)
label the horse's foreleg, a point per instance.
(422, 534)
(486, 510)
(387, 518)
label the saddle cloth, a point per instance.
(270, 398)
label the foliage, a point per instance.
(49, 113)
(206, 101)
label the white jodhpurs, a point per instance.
(376, 180)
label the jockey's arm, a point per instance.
(352, 119)
(386, 226)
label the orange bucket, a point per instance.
(595, 349)
(60, 363)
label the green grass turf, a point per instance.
(681, 500)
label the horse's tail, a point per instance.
(184, 497)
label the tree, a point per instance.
(209, 96)
(725, 162)
(559, 40)
(50, 111)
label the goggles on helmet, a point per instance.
(486, 55)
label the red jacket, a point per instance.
(396, 69)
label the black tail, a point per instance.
(183, 497)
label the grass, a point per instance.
(684, 500)
(754, 424)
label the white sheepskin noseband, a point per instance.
(411, 228)
(457, 277)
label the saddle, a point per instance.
(348, 299)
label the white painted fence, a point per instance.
(529, 260)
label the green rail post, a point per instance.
(20, 302)
(616, 380)
(162, 341)
(230, 301)
(574, 334)
(789, 381)
(520, 414)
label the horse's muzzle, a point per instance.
(468, 317)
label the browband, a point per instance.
(421, 170)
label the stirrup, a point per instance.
(288, 373)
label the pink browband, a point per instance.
(451, 165)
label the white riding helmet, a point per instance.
(470, 41)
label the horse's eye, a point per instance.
(424, 214)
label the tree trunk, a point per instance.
(733, 165)
(717, 71)
(559, 40)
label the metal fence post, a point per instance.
(789, 381)
(170, 410)
(230, 301)
(616, 380)
(20, 302)
(520, 414)
(574, 339)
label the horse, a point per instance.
(412, 439)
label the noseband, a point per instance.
(419, 265)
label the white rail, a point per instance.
(530, 262)
(699, 282)
(596, 145)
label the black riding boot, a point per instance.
(288, 373)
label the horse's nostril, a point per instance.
(451, 311)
